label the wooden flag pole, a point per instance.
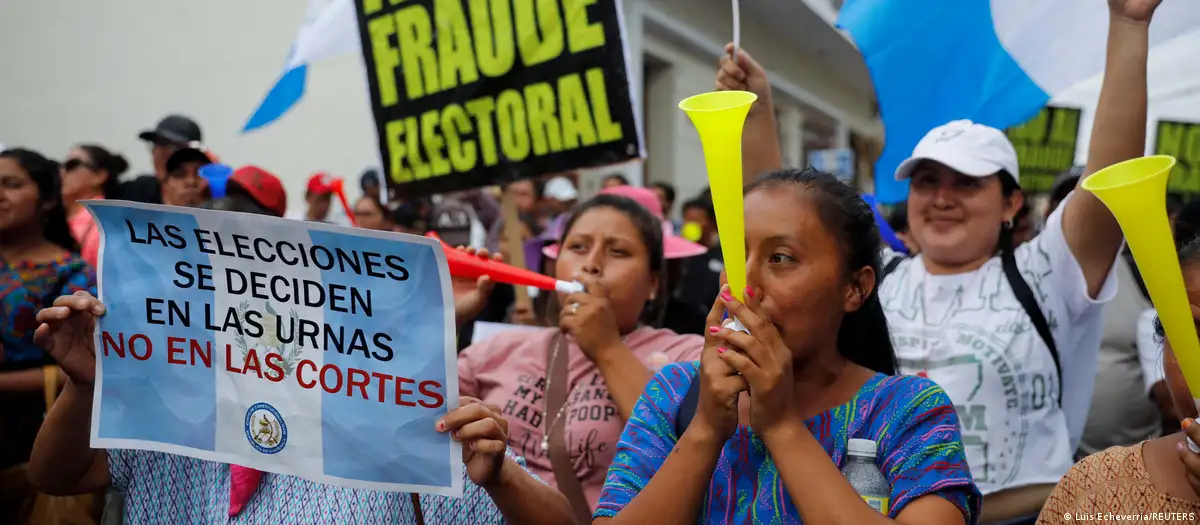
(515, 234)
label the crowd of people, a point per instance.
(1004, 370)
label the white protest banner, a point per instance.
(291, 347)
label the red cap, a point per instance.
(264, 187)
(320, 183)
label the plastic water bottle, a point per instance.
(864, 476)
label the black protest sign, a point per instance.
(469, 93)
(1182, 141)
(1045, 146)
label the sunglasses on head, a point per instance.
(74, 164)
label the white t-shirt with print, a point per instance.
(1150, 350)
(968, 333)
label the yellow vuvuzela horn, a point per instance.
(1136, 193)
(719, 117)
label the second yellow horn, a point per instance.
(1135, 192)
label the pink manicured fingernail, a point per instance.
(441, 427)
(726, 295)
(714, 329)
(1179, 446)
(720, 350)
(749, 292)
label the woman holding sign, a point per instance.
(166, 488)
(772, 408)
(1011, 332)
(568, 390)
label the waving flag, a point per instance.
(328, 30)
(994, 62)
(886, 233)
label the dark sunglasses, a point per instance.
(74, 164)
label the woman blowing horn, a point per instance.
(1012, 334)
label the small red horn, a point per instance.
(340, 191)
(465, 266)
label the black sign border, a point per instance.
(618, 87)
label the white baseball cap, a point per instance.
(966, 147)
(560, 189)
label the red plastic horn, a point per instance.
(466, 266)
(339, 189)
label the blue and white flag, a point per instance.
(285, 346)
(996, 62)
(886, 233)
(329, 30)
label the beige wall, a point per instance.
(815, 83)
(689, 63)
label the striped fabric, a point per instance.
(911, 418)
(165, 489)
